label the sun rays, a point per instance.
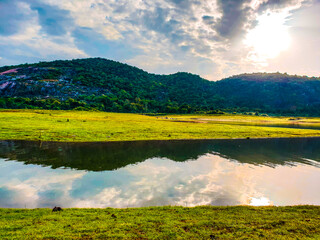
(269, 38)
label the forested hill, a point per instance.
(107, 85)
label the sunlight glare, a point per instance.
(269, 37)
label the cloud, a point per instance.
(12, 15)
(280, 4)
(54, 21)
(235, 15)
(95, 44)
(36, 36)
(168, 32)
(158, 20)
(15, 13)
(185, 4)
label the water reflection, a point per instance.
(220, 172)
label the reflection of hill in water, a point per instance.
(271, 152)
(114, 155)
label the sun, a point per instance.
(269, 38)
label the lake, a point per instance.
(156, 173)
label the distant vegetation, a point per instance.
(106, 85)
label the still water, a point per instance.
(155, 173)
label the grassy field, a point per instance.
(82, 126)
(300, 222)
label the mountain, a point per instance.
(272, 92)
(106, 85)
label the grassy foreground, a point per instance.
(299, 222)
(82, 126)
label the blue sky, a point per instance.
(212, 38)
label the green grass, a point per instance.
(299, 222)
(82, 126)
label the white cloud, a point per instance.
(32, 42)
(201, 37)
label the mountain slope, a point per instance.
(112, 86)
(271, 92)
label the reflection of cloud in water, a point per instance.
(31, 185)
(8, 198)
(92, 183)
(211, 180)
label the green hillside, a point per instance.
(107, 85)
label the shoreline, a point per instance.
(164, 140)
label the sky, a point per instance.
(212, 38)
